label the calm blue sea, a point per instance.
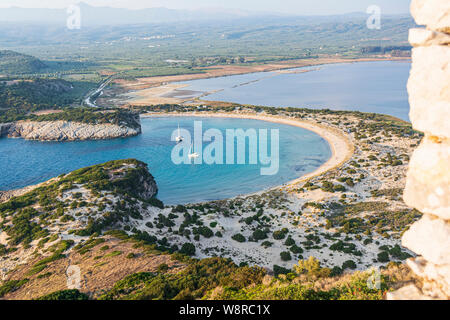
(24, 162)
(378, 87)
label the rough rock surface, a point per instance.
(422, 37)
(69, 131)
(428, 185)
(437, 277)
(429, 90)
(430, 238)
(145, 187)
(428, 182)
(435, 14)
(407, 293)
(4, 128)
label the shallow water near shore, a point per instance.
(24, 163)
(378, 87)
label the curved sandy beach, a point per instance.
(340, 144)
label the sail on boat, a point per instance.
(192, 155)
(179, 138)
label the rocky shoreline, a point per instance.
(4, 129)
(66, 131)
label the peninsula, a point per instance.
(347, 215)
(75, 124)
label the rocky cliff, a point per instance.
(4, 129)
(69, 131)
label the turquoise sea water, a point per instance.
(24, 163)
(378, 87)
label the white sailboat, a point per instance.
(179, 138)
(192, 155)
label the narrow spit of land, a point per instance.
(159, 90)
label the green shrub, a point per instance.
(188, 249)
(349, 264)
(65, 295)
(289, 241)
(266, 244)
(238, 237)
(383, 256)
(113, 254)
(11, 286)
(204, 231)
(259, 234)
(280, 234)
(296, 249)
(336, 271)
(285, 256)
(277, 270)
(179, 208)
(163, 267)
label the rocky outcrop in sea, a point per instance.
(68, 131)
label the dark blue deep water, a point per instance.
(25, 163)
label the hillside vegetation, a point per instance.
(102, 218)
(299, 242)
(13, 63)
(92, 116)
(221, 279)
(19, 98)
(175, 48)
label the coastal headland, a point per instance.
(74, 125)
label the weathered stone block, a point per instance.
(423, 37)
(430, 238)
(435, 14)
(428, 182)
(438, 277)
(407, 293)
(429, 90)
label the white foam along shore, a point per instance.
(340, 144)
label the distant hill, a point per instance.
(102, 16)
(118, 16)
(12, 62)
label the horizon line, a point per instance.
(254, 12)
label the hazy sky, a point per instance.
(285, 6)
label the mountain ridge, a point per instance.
(104, 15)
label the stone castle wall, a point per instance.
(428, 182)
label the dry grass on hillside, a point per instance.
(101, 267)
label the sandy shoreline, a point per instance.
(157, 90)
(341, 146)
(154, 95)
